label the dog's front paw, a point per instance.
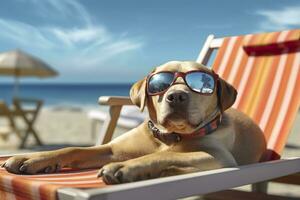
(124, 172)
(31, 164)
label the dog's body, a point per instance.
(138, 155)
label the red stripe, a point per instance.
(273, 49)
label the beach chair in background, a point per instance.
(28, 115)
(9, 127)
(28, 110)
(265, 69)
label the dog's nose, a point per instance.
(177, 98)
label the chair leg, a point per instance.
(35, 135)
(109, 125)
(94, 129)
(261, 187)
(24, 139)
(17, 132)
(30, 130)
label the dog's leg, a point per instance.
(164, 164)
(125, 147)
(52, 161)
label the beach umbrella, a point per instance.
(20, 64)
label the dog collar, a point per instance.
(207, 129)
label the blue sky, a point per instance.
(121, 41)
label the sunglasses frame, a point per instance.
(182, 75)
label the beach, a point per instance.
(60, 126)
(63, 119)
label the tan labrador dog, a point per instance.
(169, 144)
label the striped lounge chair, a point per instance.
(265, 69)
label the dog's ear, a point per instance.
(226, 94)
(138, 94)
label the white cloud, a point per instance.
(285, 18)
(110, 51)
(62, 9)
(90, 35)
(23, 34)
(85, 44)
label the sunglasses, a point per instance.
(199, 81)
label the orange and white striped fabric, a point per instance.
(268, 85)
(44, 186)
(267, 92)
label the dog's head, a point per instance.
(178, 108)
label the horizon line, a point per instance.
(66, 83)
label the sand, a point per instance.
(71, 126)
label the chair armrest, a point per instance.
(115, 104)
(27, 100)
(189, 184)
(114, 100)
(34, 106)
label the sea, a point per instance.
(68, 95)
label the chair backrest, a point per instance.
(265, 70)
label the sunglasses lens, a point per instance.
(160, 82)
(200, 82)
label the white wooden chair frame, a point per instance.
(182, 185)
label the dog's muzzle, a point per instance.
(177, 98)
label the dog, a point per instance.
(191, 128)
